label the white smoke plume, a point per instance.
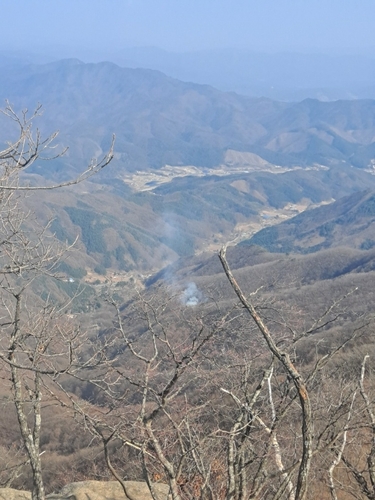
(191, 296)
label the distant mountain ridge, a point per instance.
(159, 120)
(282, 76)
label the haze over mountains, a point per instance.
(159, 120)
(289, 76)
(232, 158)
(281, 75)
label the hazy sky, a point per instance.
(183, 25)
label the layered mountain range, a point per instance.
(159, 120)
(291, 186)
(194, 167)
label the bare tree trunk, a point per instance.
(232, 493)
(299, 383)
(30, 437)
(340, 452)
(164, 461)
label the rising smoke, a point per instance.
(191, 296)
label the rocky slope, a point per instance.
(95, 490)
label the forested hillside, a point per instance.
(136, 341)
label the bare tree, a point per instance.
(37, 338)
(357, 449)
(147, 383)
(191, 397)
(295, 375)
(327, 410)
